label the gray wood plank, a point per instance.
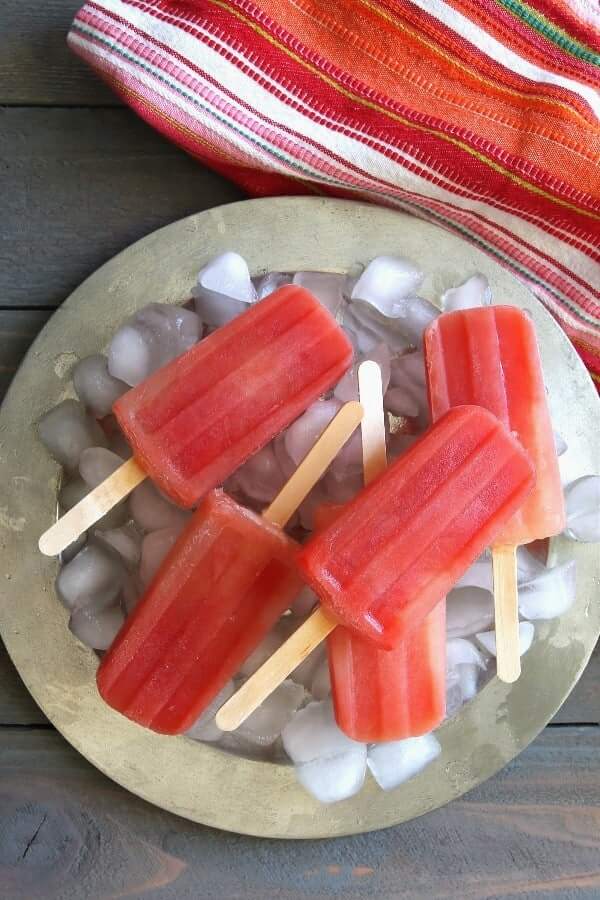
(17, 706)
(532, 831)
(80, 185)
(36, 66)
(17, 330)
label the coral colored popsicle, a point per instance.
(224, 584)
(389, 695)
(403, 541)
(196, 420)
(385, 695)
(490, 357)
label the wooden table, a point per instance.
(81, 178)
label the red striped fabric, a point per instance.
(479, 116)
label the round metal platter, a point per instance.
(195, 780)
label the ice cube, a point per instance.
(460, 652)
(582, 499)
(305, 672)
(171, 329)
(305, 602)
(454, 697)
(95, 386)
(468, 678)
(549, 594)
(560, 444)
(151, 510)
(217, 309)
(370, 328)
(302, 434)
(154, 336)
(475, 291)
(385, 281)
(67, 430)
(205, 728)
(478, 575)
(412, 316)
(261, 477)
(228, 274)
(327, 287)
(127, 541)
(73, 549)
(328, 764)
(266, 723)
(132, 593)
(528, 566)
(320, 685)
(92, 578)
(487, 639)
(286, 463)
(96, 628)
(341, 488)
(129, 355)
(271, 282)
(468, 610)
(96, 464)
(407, 394)
(155, 547)
(394, 762)
(224, 289)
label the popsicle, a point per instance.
(403, 541)
(196, 420)
(222, 587)
(489, 357)
(385, 695)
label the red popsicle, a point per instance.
(403, 542)
(385, 695)
(222, 587)
(489, 357)
(389, 695)
(196, 420)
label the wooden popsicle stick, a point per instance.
(506, 602)
(270, 675)
(370, 390)
(318, 625)
(314, 464)
(89, 510)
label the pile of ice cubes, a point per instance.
(105, 572)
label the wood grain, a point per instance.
(18, 328)
(533, 831)
(17, 706)
(80, 185)
(36, 66)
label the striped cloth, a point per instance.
(478, 115)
